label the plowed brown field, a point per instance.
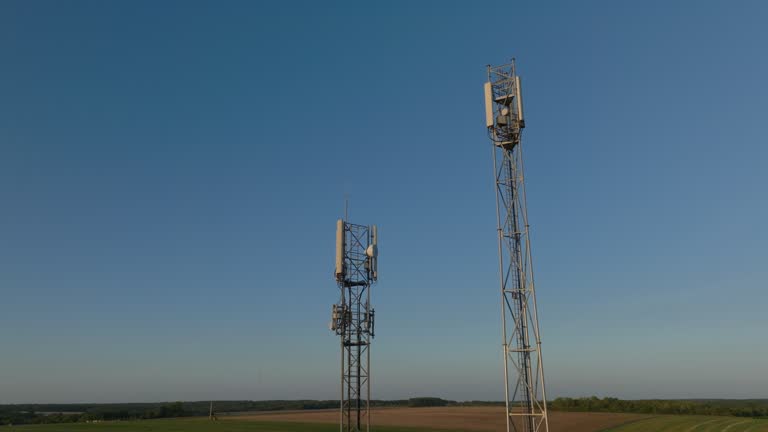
(458, 418)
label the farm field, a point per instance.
(195, 425)
(670, 423)
(417, 420)
(492, 419)
(457, 418)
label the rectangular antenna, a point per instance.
(375, 259)
(488, 104)
(519, 94)
(339, 249)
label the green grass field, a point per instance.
(694, 424)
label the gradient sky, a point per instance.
(171, 172)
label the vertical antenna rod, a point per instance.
(352, 319)
(346, 207)
(525, 394)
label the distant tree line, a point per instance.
(43, 414)
(428, 402)
(71, 413)
(717, 407)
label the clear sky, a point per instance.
(171, 173)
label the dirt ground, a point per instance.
(459, 418)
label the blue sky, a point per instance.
(171, 174)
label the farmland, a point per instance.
(194, 425)
(442, 419)
(459, 418)
(695, 424)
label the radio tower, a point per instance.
(353, 318)
(526, 400)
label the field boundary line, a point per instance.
(701, 424)
(734, 424)
(718, 427)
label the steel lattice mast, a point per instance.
(526, 401)
(353, 320)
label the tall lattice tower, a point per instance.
(526, 399)
(353, 320)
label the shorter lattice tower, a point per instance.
(352, 319)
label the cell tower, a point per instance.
(353, 320)
(526, 400)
